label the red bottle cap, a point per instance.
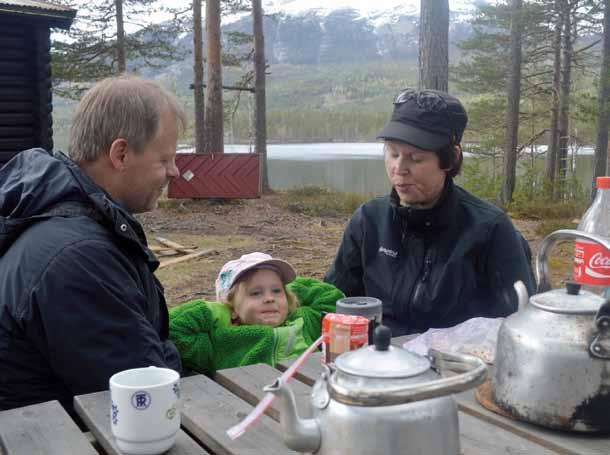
(603, 182)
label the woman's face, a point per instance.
(261, 299)
(414, 173)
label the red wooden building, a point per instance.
(25, 73)
(216, 175)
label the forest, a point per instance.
(534, 76)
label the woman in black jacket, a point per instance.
(433, 253)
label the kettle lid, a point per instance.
(568, 300)
(382, 360)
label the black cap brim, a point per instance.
(422, 139)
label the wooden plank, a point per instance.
(15, 80)
(309, 371)
(477, 437)
(12, 106)
(16, 119)
(42, 429)
(19, 94)
(186, 257)
(209, 410)
(209, 175)
(248, 382)
(9, 132)
(94, 409)
(560, 442)
(174, 245)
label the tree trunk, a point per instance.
(551, 154)
(198, 85)
(512, 112)
(260, 119)
(214, 115)
(603, 114)
(564, 103)
(120, 37)
(434, 45)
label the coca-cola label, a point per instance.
(591, 263)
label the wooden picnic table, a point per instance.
(210, 407)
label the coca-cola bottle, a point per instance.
(591, 260)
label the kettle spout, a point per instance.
(302, 435)
(521, 291)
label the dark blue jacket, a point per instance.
(435, 267)
(78, 297)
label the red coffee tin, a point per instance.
(341, 333)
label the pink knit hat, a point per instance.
(233, 270)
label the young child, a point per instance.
(264, 314)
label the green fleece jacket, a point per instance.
(207, 341)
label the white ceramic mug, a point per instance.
(145, 409)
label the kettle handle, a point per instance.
(473, 369)
(542, 263)
(600, 346)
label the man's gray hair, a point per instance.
(126, 107)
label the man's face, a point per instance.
(147, 173)
(414, 173)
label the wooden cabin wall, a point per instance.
(25, 88)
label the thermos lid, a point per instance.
(382, 360)
(362, 306)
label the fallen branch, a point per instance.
(184, 258)
(174, 245)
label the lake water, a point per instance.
(352, 167)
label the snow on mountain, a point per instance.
(379, 12)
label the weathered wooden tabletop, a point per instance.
(210, 407)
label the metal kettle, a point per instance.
(552, 363)
(381, 399)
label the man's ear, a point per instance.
(457, 149)
(117, 154)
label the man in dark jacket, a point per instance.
(434, 254)
(78, 297)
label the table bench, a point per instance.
(210, 407)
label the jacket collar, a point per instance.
(115, 217)
(440, 216)
(37, 185)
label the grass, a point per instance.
(543, 209)
(321, 201)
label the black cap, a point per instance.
(427, 119)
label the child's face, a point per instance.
(262, 299)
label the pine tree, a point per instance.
(98, 45)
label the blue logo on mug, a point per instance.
(115, 414)
(140, 400)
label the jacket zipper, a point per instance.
(419, 284)
(276, 341)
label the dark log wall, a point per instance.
(25, 88)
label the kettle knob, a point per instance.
(382, 337)
(572, 287)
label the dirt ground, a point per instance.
(232, 228)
